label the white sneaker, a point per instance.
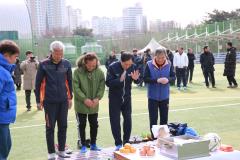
(184, 88)
(62, 154)
(51, 156)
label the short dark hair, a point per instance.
(10, 47)
(230, 44)
(28, 52)
(148, 50)
(126, 56)
(134, 50)
(122, 51)
(205, 47)
(89, 57)
(160, 51)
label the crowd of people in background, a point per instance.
(54, 85)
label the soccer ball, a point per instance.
(215, 141)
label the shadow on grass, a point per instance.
(25, 116)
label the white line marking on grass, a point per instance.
(191, 98)
(173, 99)
(139, 114)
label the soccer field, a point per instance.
(206, 110)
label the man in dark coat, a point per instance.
(230, 65)
(207, 62)
(191, 58)
(112, 58)
(17, 75)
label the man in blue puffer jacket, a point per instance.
(9, 52)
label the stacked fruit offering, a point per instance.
(147, 150)
(127, 149)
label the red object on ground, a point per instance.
(226, 148)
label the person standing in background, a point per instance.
(180, 63)
(190, 69)
(207, 62)
(112, 58)
(17, 75)
(29, 69)
(230, 65)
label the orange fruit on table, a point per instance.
(127, 151)
(122, 150)
(127, 146)
(132, 150)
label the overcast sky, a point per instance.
(182, 11)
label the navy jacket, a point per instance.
(157, 91)
(207, 62)
(53, 81)
(191, 58)
(8, 98)
(117, 89)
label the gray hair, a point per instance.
(160, 51)
(56, 45)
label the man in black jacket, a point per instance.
(191, 58)
(112, 58)
(54, 94)
(207, 63)
(119, 79)
(230, 65)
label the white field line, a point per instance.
(139, 114)
(192, 98)
(174, 99)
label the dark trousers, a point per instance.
(231, 80)
(190, 73)
(93, 122)
(155, 107)
(5, 141)
(207, 76)
(116, 107)
(56, 112)
(181, 76)
(28, 98)
(18, 85)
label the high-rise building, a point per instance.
(102, 26)
(141, 23)
(38, 14)
(47, 15)
(56, 14)
(74, 18)
(117, 24)
(133, 19)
